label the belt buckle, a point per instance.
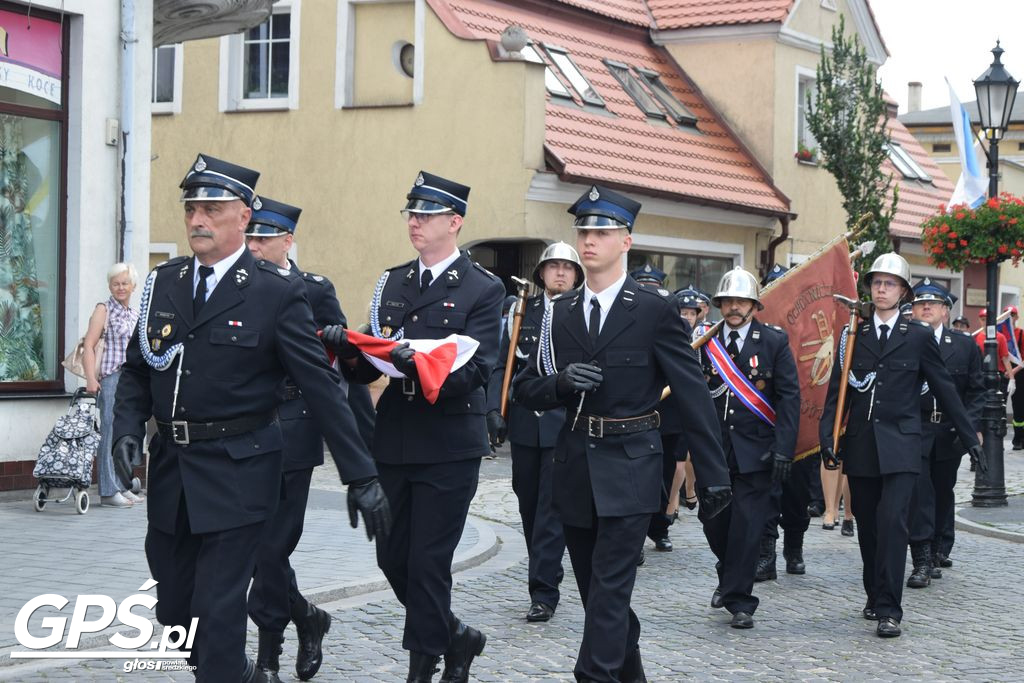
(408, 386)
(591, 419)
(179, 431)
(936, 417)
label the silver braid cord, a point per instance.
(860, 385)
(546, 344)
(161, 362)
(378, 291)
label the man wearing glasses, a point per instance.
(429, 454)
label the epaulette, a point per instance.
(313, 277)
(920, 322)
(653, 289)
(171, 262)
(274, 268)
(773, 327)
(567, 294)
(485, 271)
(403, 266)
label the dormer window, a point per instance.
(906, 164)
(679, 112)
(551, 82)
(631, 84)
(561, 59)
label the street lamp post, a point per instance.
(996, 90)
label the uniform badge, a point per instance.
(948, 340)
(284, 271)
(453, 274)
(753, 362)
(759, 384)
(386, 330)
(412, 271)
(200, 164)
(257, 204)
(184, 269)
(663, 292)
(162, 314)
(448, 304)
(594, 194)
(235, 323)
(755, 335)
(241, 276)
(155, 344)
(165, 331)
(419, 180)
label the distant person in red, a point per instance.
(1005, 367)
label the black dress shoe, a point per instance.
(252, 674)
(847, 529)
(869, 613)
(716, 599)
(742, 620)
(815, 509)
(540, 612)
(311, 628)
(888, 628)
(828, 527)
(942, 561)
(422, 667)
(934, 571)
(663, 545)
(466, 644)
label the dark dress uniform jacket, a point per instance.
(890, 441)
(962, 359)
(525, 427)
(465, 300)
(304, 447)
(230, 371)
(767, 361)
(639, 351)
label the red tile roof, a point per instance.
(626, 149)
(679, 14)
(917, 200)
(630, 11)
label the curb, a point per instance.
(967, 525)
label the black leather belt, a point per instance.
(183, 433)
(291, 392)
(600, 427)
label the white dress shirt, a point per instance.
(726, 330)
(891, 322)
(606, 298)
(220, 269)
(437, 270)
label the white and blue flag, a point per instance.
(972, 187)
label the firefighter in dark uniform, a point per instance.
(274, 597)
(606, 352)
(790, 500)
(217, 334)
(881, 449)
(753, 380)
(429, 454)
(931, 514)
(533, 435)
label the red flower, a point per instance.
(960, 215)
(963, 243)
(1002, 249)
(952, 235)
(992, 203)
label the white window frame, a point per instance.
(1011, 291)
(174, 106)
(906, 164)
(802, 74)
(232, 61)
(681, 245)
(344, 56)
(169, 248)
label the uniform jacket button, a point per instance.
(415, 318)
(445, 321)
(191, 336)
(731, 411)
(188, 372)
(234, 338)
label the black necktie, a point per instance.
(200, 298)
(425, 280)
(595, 319)
(883, 336)
(733, 347)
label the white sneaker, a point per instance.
(115, 501)
(133, 497)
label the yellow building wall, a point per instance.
(380, 28)
(812, 19)
(350, 169)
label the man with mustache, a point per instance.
(218, 332)
(605, 353)
(533, 435)
(752, 377)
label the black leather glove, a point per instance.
(578, 377)
(402, 359)
(781, 466)
(335, 337)
(714, 499)
(829, 459)
(497, 428)
(369, 499)
(979, 461)
(127, 455)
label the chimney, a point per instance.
(913, 96)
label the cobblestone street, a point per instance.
(964, 627)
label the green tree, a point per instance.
(848, 118)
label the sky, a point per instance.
(932, 39)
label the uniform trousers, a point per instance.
(604, 558)
(545, 541)
(790, 499)
(205, 576)
(882, 507)
(922, 504)
(734, 536)
(271, 595)
(429, 504)
(943, 477)
(660, 522)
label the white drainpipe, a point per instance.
(128, 42)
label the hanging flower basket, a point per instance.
(992, 232)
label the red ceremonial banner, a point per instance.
(801, 303)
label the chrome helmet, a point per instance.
(738, 284)
(559, 251)
(891, 264)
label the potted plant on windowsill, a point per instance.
(992, 232)
(806, 155)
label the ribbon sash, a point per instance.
(738, 383)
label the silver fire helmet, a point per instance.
(891, 264)
(738, 284)
(559, 251)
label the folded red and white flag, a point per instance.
(435, 358)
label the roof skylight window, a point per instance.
(906, 164)
(679, 112)
(572, 73)
(551, 82)
(632, 86)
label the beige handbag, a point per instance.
(73, 361)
